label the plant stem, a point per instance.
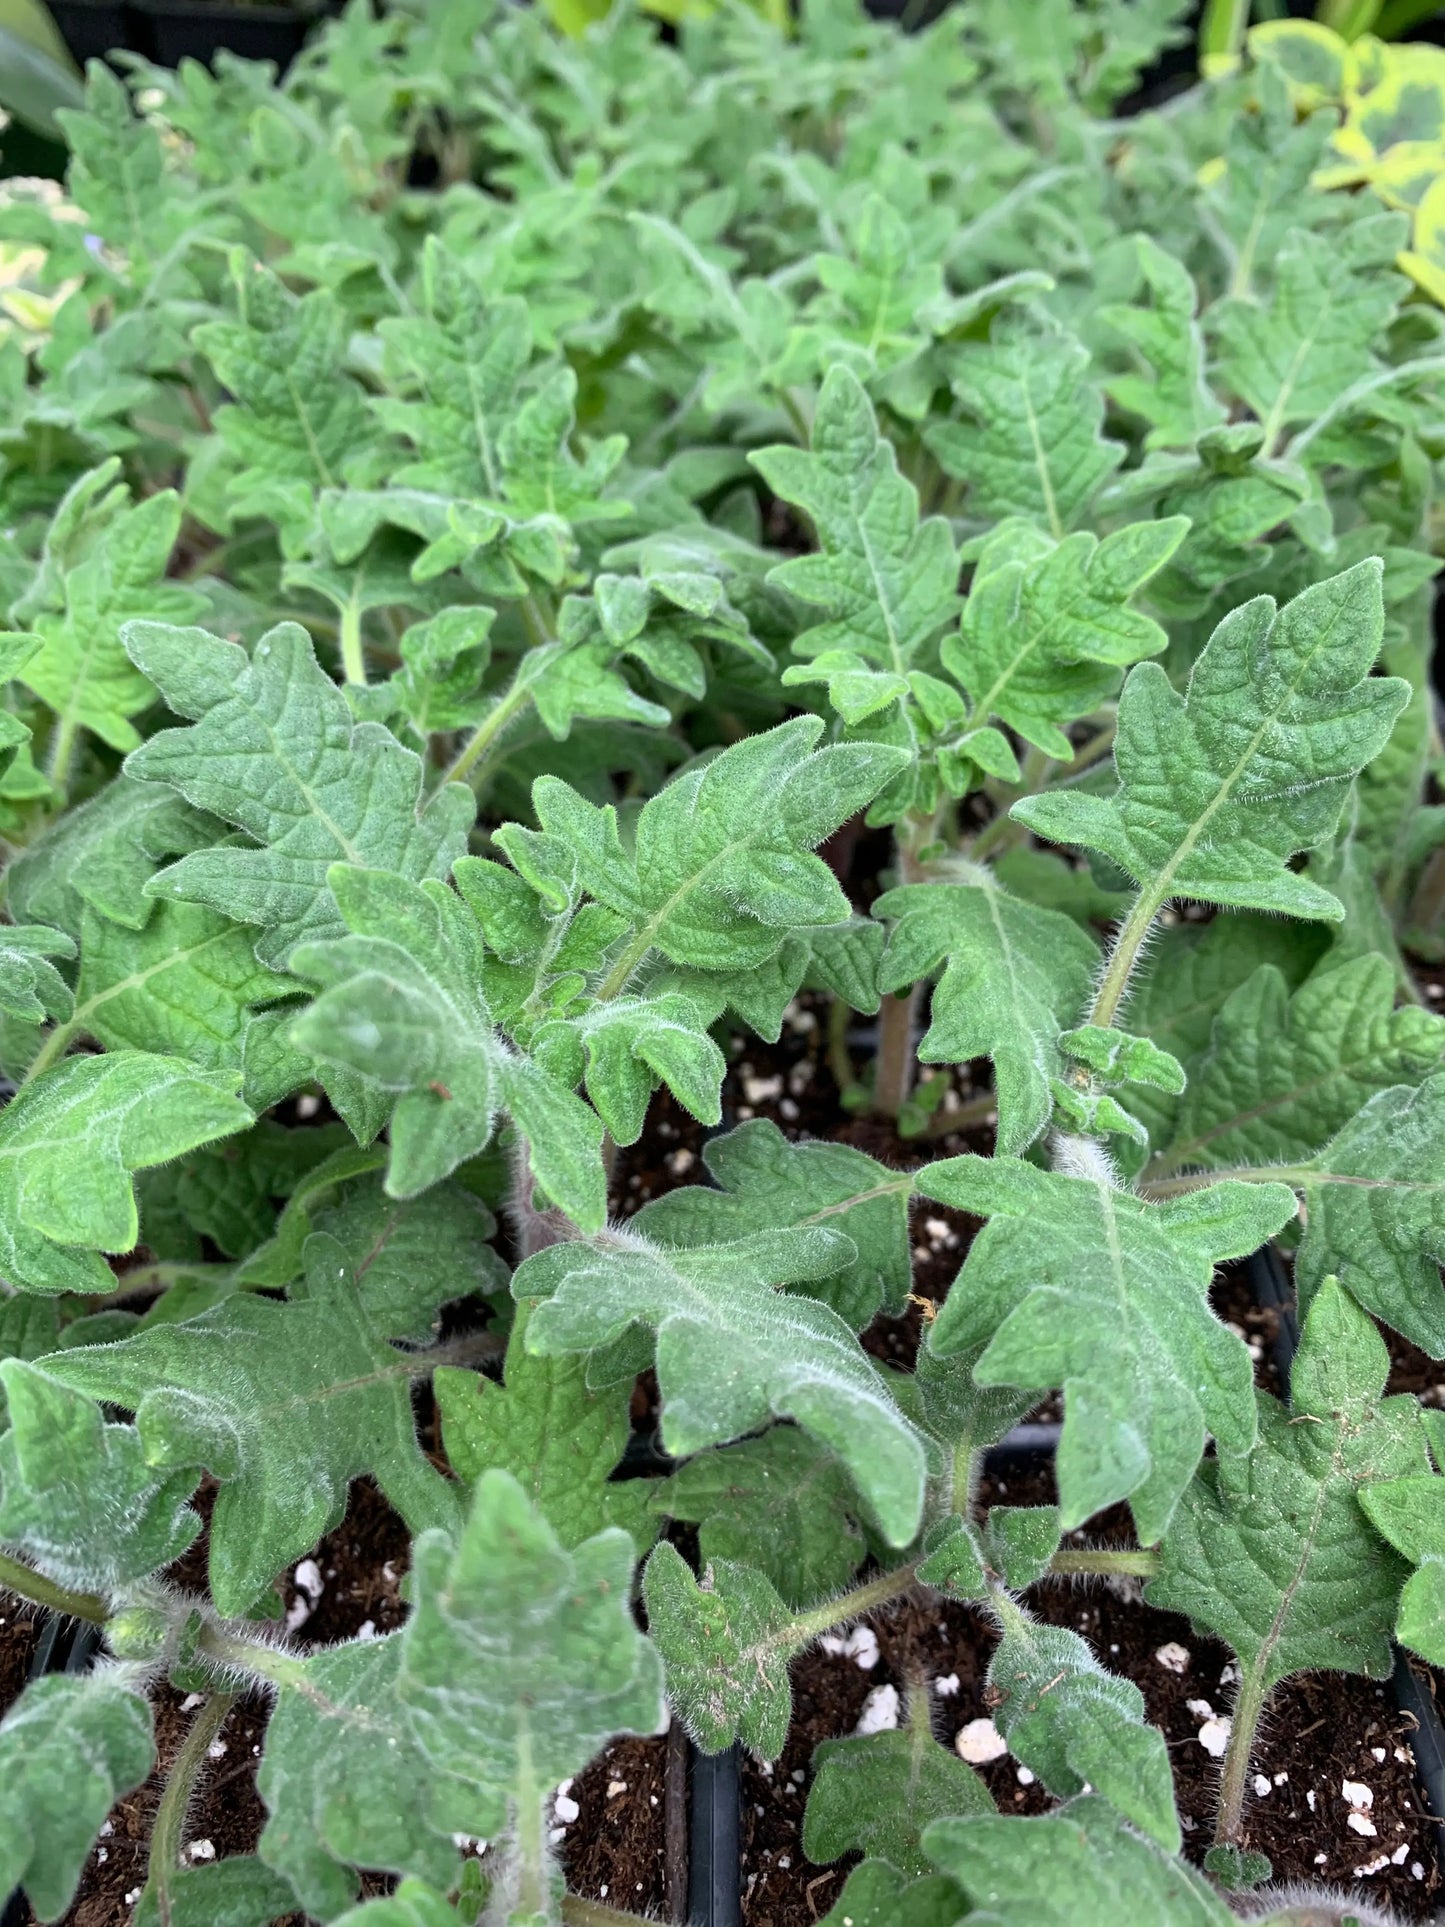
(1122, 959)
(897, 1025)
(1107, 1560)
(839, 1062)
(62, 748)
(794, 413)
(54, 1046)
(1243, 1724)
(850, 1605)
(353, 657)
(973, 1110)
(577, 1912)
(487, 732)
(532, 1883)
(170, 1820)
(40, 1591)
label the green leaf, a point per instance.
(412, 1905)
(235, 1892)
(401, 1008)
(1074, 1283)
(877, 1896)
(1220, 787)
(1172, 397)
(284, 1404)
(733, 1351)
(520, 1659)
(1270, 1550)
(621, 1051)
(886, 581)
(781, 1503)
(77, 1498)
(1076, 1725)
(104, 565)
(31, 988)
(1410, 1514)
(68, 1145)
(1030, 444)
(1081, 1867)
(1375, 1212)
(274, 751)
(1014, 977)
(722, 869)
(725, 1645)
(764, 1182)
(876, 1795)
(1283, 1073)
(70, 1747)
(185, 986)
(1047, 626)
(559, 1440)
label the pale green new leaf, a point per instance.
(284, 1404)
(1375, 1212)
(1410, 1514)
(621, 1050)
(1077, 1725)
(274, 750)
(722, 869)
(1014, 976)
(70, 1747)
(734, 1351)
(875, 1795)
(1218, 788)
(520, 1658)
(725, 1647)
(886, 582)
(781, 1503)
(1270, 1549)
(764, 1182)
(1173, 396)
(1047, 626)
(31, 988)
(1283, 1073)
(68, 1145)
(402, 1009)
(1074, 1283)
(1081, 1867)
(559, 1439)
(1030, 444)
(77, 1499)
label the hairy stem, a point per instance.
(577, 1912)
(1122, 959)
(897, 1031)
(55, 1045)
(175, 1802)
(839, 1062)
(62, 749)
(1107, 1560)
(19, 1578)
(532, 1894)
(849, 1605)
(487, 733)
(1243, 1725)
(973, 1110)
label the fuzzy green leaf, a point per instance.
(235, 1892)
(1081, 1867)
(877, 1896)
(780, 1503)
(1047, 626)
(733, 1351)
(725, 1645)
(1410, 1514)
(31, 988)
(1283, 1073)
(1075, 1724)
(1173, 397)
(68, 1145)
(520, 1659)
(876, 1795)
(1073, 1283)
(1270, 1550)
(70, 1747)
(558, 1439)
(1375, 1212)
(1031, 445)
(763, 1182)
(284, 1404)
(77, 1498)
(274, 750)
(1014, 977)
(1220, 787)
(402, 1009)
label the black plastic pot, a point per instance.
(169, 31)
(65, 1647)
(91, 29)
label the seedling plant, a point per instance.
(480, 516)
